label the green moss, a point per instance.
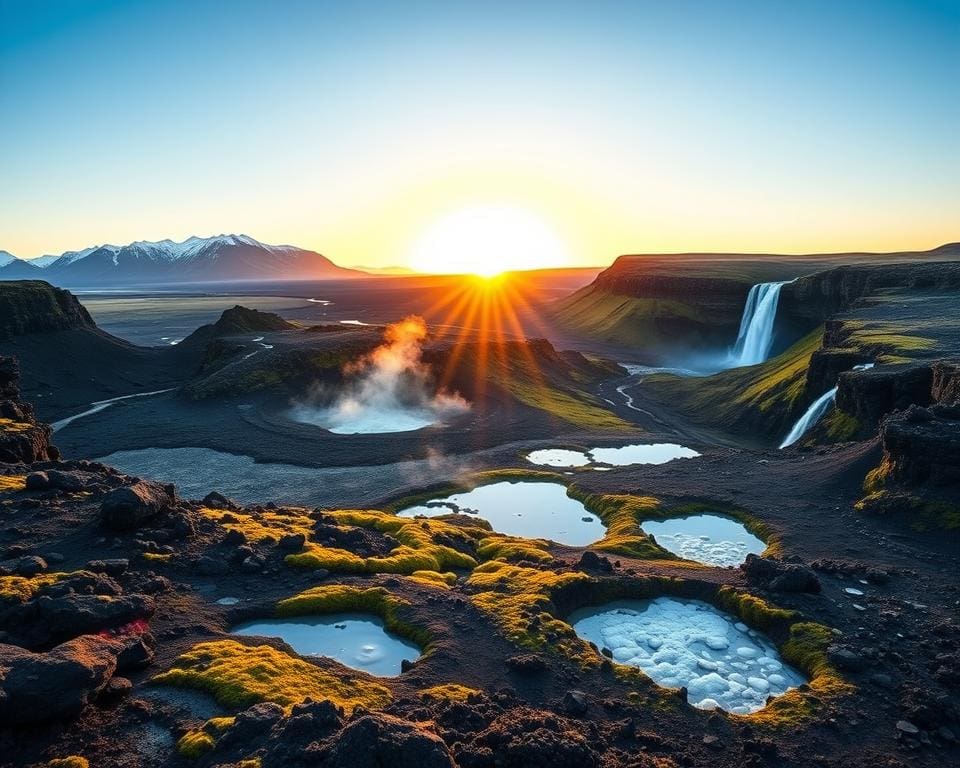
(753, 610)
(419, 549)
(806, 649)
(622, 514)
(580, 409)
(922, 513)
(435, 579)
(612, 317)
(840, 426)
(194, 744)
(517, 600)
(20, 589)
(449, 692)
(513, 549)
(340, 598)
(238, 676)
(263, 525)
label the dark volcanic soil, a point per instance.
(900, 652)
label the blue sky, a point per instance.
(351, 127)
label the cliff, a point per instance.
(814, 298)
(662, 302)
(33, 306)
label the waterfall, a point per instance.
(817, 408)
(815, 412)
(756, 326)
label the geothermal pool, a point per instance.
(534, 510)
(689, 643)
(347, 420)
(625, 455)
(355, 640)
(708, 539)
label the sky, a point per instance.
(355, 128)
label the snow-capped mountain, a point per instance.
(6, 257)
(196, 259)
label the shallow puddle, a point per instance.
(642, 453)
(529, 509)
(688, 643)
(356, 640)
(558, 457)
(708, 539)
(625, 455)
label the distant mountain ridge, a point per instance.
(196, 259)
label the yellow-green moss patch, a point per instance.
(9, 425)
(72, 761)
(12, 483)
(22, 588)
(449, 692)
(263, 525)
(194, 744)
(418, 549)
(239, 676)
(517, 600)
(435, 579)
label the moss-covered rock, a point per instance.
(238, 675)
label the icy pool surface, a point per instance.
(688, 643)
(354, 639)
(348, 420)
(558, 457)
(625, 455)
(708, 539)
(642, 453)
(530, 509)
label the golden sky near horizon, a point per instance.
(365, 131)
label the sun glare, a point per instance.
(487, 240)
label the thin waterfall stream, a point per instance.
(815, 412)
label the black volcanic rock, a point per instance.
(373, 741)
(922, 445)
(812, 299)
(128, 507)
(870, 395)
(33, 306)
(778, 576)
(22, 438)
(243, 320)
(39, 687)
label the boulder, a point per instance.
(374, 741)
(30, 565)
(74, 614)
(128, 507)
(575, 703)
(778, 576)
(39, 687)
(212, 566)
(292, 542)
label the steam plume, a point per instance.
(388, 390)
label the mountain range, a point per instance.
(196, 259)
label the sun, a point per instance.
(487, 240)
